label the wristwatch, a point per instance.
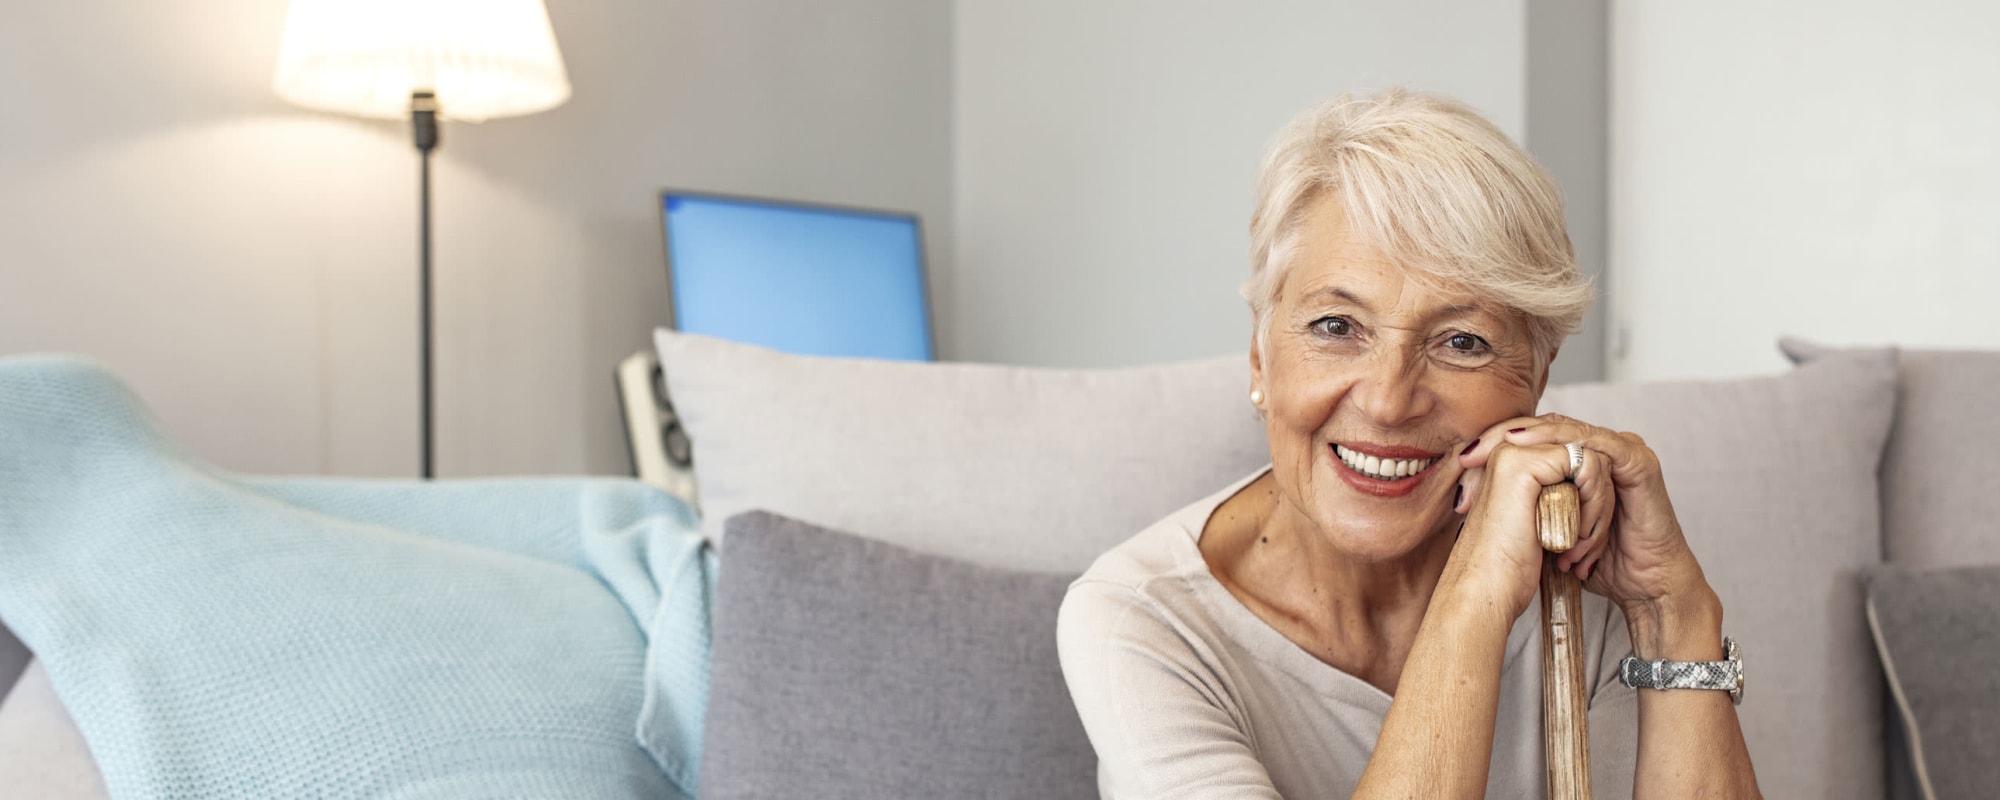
(1725, 675)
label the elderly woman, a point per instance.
(1350, 621)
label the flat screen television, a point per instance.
(798, 277)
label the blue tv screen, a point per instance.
(800, 278)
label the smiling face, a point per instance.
(1371, 382)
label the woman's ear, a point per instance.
(1256, 358)
(1547, 367)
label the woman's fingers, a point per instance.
(1501, 518)
(1596, 481)
(1474, 457)
(1598, 501)
(1468, 488)
(1627, 458)
(1481, 449)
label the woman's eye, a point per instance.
(1465, 343)
(1333, 326)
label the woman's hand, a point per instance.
(1629, 547)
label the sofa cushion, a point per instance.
(1938, 634)
(852, 668)
(1774, 481)
(1011, 466)
(1937, 498)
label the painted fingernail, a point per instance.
(1468, 451)
(1516, 430)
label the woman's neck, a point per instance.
(1358, 616)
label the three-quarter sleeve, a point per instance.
(1159, 718)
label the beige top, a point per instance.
(1187, 693)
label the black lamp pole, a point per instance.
(424, 126)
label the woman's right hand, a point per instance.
(1499, 550)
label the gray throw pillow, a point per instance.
(1938, 634)
(1774, 482)
(1937, 472)
(1017, 467)
(851, 668)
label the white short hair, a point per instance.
(1439, 190)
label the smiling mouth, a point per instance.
(1382, 469)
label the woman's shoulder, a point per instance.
(1157, 571)
(1159, 551)
(1136, 608)
(1168, 548)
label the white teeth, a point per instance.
(1381, 468)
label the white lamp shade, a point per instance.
(483, 58)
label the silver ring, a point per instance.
(1575, 457)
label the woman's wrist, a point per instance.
(1466, 593)
(1681, 625)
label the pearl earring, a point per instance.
(1256, 397)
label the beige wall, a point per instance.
(250, 267)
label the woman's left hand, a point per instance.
(1630, 548)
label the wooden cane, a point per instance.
(1565, 733)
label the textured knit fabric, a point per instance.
(1018, 467)
(216, 637)
(1938, 632)
(851, 668)
(1187, 693)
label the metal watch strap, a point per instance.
(1725, 675)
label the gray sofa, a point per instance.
(1793, 488)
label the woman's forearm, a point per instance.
(1690, 743)
(1438, 738)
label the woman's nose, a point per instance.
(1388, 390)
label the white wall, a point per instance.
(1105, 154)
(1830, 170)
(250, 267)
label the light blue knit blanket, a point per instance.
(217, 636)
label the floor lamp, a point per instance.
(469, 60)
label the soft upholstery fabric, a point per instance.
(1938, 634)
(851, 668)
(42, 755)
(1938, 503)
(14, 658)
(1774, 483)
(1010, 466)
(219, 637)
